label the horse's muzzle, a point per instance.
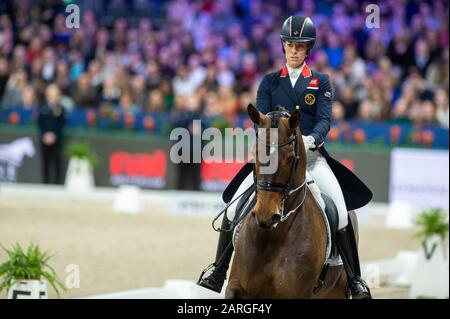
(273, 220)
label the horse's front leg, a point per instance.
(234, 291)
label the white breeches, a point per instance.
(248, 181)
(323, 176)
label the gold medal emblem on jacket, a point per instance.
(310, 99)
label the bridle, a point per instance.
(283, 188)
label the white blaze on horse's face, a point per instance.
(269, 161)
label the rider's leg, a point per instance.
(326, 181)
(345, 239)
(247, 182)
(216, 278)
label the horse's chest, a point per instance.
(276, 275)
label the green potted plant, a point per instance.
(430, 277)
(431, 223)
(80, 172)
(25, 273)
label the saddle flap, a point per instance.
(333, 219)
(233, 186)
(243, 208)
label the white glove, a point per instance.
(309, 142)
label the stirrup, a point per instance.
(208, 268)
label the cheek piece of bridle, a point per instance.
(269, 184)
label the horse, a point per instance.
(279, 254)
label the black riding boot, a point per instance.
(216, 278)
(346, 243)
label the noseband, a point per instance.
(285, 188)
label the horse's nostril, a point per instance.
(276, 218)
(253, 214)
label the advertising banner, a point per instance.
(419, 177)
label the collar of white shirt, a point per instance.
(294, 73)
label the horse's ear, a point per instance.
(294, 119)
(254, 114)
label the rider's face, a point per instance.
(295, 53)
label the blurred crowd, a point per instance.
(209, 56)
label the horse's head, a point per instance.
(281, 135)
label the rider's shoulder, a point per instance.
(323, 77)
(272, 78)
(320, 75)
(272, 75)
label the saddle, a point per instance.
(333, 220)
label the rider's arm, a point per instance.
(263, 96)
(323, 111)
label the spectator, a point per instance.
(367, 111)
(166, 89)
(83, 94)
(51, 122)
(245, 98)
(48, 66)
(442, 105)
(110, 92)
(29, 98)
(139, 91)
(392, 73)
(155, 101)
(182, 84)
(422, 56)
(338, 111)
(153, 75)
(4, 75)
(62, 76)
(428, 112)
(210, 83)
(348, 102)
(212, 106)
(438, 71)
(228, 100)
(126, 105)
(14, 88)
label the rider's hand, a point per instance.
(49, 138)
(309, 142)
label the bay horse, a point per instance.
(279, 254)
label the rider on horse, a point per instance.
(297, 86)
